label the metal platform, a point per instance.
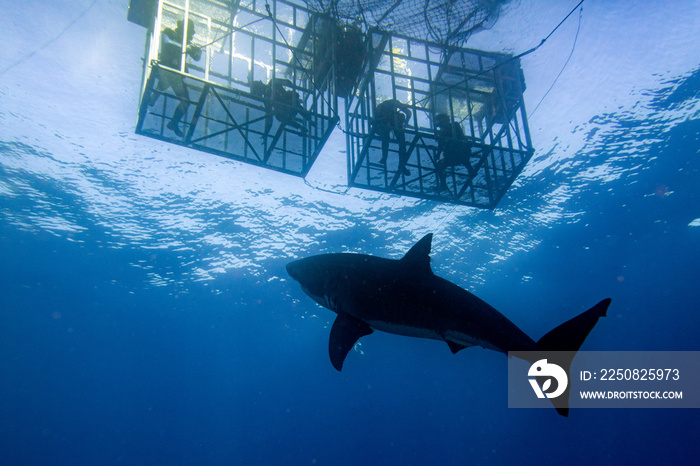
(480, 91)
(242, 44)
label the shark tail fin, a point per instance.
(569, 337)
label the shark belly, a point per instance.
(404, 329)
(425, 306)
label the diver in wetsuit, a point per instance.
(453, 146)
(391, 116)
(171, 56)
(284, 104)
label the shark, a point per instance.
(404, 297)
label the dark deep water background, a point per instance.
(146, 317)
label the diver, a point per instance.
(453, 145)
(171, 56)
(281, 103)
(350, 55)
(391, 116)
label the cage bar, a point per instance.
(480, 92)
(250, 94)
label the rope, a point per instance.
(565, 64)
(326, 190)
(229, 33)
(550, 34)
(527, 52)
(30, 55)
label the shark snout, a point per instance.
(293, 270)
(306, 272)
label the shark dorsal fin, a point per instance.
(418, 257)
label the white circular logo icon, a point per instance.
(543, 369)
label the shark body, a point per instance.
(405, 297)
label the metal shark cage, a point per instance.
(480, 91)
(239, 86)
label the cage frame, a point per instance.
(257, 42)
(483, 91)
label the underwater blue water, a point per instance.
(146, 316)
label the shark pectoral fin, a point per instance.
(454, 347)
(345, 332)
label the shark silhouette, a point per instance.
(404, 297)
